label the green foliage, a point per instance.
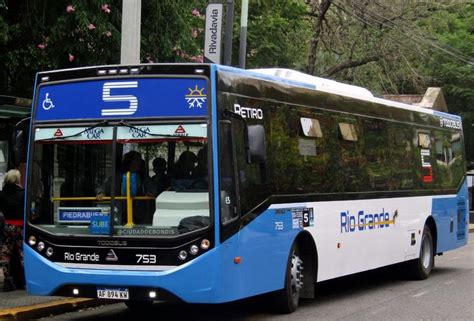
(452, 27)
(172, 31)
(416, 44)
(44, 35)
(277, 34)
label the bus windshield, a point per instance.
(151, 181)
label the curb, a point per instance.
(49, 308)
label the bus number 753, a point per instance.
(146, 258)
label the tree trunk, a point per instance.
(318, 28)
(349, 64)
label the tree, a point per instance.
(44, 35)
(277, 33)
(452, 65)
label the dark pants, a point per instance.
(12, 247)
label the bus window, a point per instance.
(401, 156)
(311, 127)
(348, 132)
(352, 161)
(77, 180)
(379, 164)
(424, 140)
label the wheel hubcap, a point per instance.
(296, 275)
(426, 253)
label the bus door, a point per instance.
(228, 191)
(242, 171)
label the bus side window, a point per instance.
(426, 156)
(401, 156)
(448, 168)
(379, 165)
(352, 163)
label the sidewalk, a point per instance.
(17, 305)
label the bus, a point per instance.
(300, 180)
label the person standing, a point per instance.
(12, 201)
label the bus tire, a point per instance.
(287, 299)
(421, 267)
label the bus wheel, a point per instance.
(288, 298)
(421, 268)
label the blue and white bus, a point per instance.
(271, 181)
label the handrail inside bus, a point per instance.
(129, 198)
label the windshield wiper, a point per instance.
(102, 122)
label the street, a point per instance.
(377, 295)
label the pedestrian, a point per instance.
(12, 200)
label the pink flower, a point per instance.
(70, 8)
(108, 33)
(91, 26)
(106, 8)
(71, 58)
(196, 13)
(198, 58)
(41, 46)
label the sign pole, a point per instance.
(131, 21)
(243, 33)
(229, 26)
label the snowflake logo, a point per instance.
(196, 97)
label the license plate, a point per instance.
(112, 294)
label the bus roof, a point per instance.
(299, 79)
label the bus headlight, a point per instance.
(205, 244)
(40, 246)
(193, 249)
(32, 241)
(49, 251)
(182, 255)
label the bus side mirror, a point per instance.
(257, 147)
(18, 147)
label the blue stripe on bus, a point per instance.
(450, 215)
(215, 155)
(263, 246)
(210, 278)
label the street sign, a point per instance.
(213, 33)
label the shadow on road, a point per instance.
(259, 307)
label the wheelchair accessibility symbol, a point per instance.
(47, 103)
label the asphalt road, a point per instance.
(383, 294)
